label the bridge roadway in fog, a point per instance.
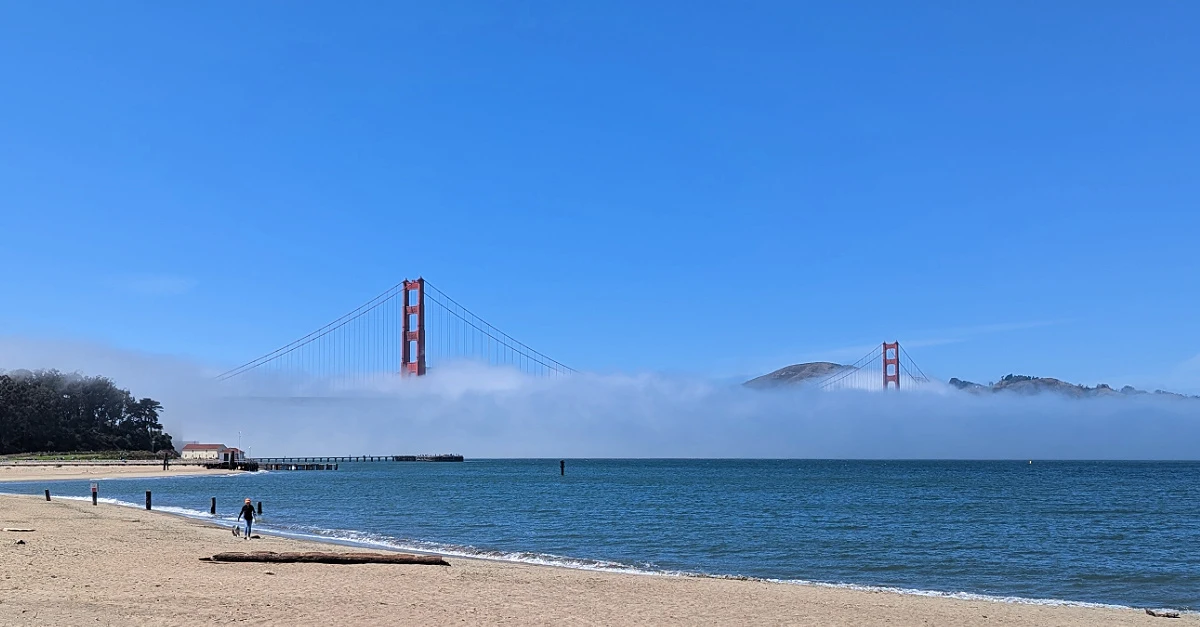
(322, 459)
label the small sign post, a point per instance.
(95, 488)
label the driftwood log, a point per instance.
(1162, 614)
(329, 558)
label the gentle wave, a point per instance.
(167, 509)
(356, 538)
(365, 539)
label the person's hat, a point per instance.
(247, 500)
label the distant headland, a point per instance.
(816, 371)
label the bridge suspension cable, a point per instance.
(369, 342)
(872, 372)
(462, 334)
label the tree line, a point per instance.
(46, 410)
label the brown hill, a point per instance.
(796, 373)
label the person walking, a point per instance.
(247, 513)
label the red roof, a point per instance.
(203, 447)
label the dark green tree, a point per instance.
(47, 410)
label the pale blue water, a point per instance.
(1125, 533)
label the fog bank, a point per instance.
(489, 412)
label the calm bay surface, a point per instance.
(1124, 533)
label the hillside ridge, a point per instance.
(815, 371)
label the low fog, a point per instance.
(488, 412)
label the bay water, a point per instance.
(1120, 533)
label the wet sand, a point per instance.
(95, 470)
(106, 564)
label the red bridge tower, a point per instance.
(891, 365)
(413, 329)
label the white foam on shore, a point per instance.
(166, 509)
(370, 540)
(962, 596)
(353, 538)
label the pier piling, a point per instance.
(260, 508)
(562, 467)
(147, 499)
(47, 495)
(213, 508)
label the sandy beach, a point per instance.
(107, 564)
(84, 470)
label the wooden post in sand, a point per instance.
(95, 488)
(260, 508)
(47, 495)
(147, 499)
(213, 510)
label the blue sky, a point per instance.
(716, 190)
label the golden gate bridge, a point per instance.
(413, 328)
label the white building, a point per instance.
(195, 450)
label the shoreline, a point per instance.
(474, 589)
(581, 564)
(595, 565)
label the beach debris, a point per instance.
(267, 572)
(1162, 613)
(18, 529)
(20, 542)
(328, 558)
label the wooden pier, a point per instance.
(333, 459)
(274, 466)
(249, 465)
(331, 462)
